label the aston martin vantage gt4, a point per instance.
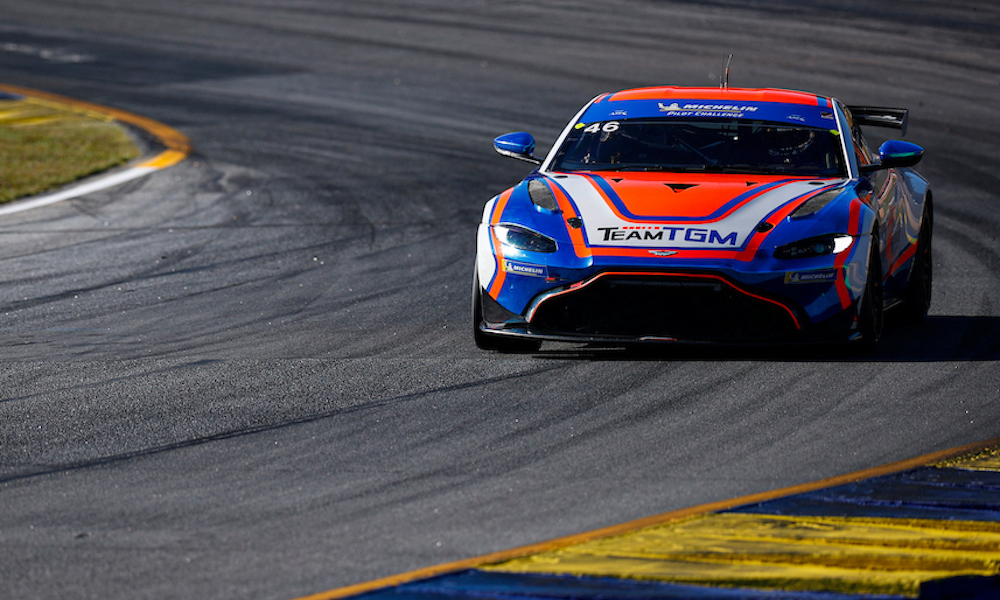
(706, 215)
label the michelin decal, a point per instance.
(525, 269)
(821, 276)
(705, 110)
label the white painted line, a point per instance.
(95, 185)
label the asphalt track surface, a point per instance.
(252, 375)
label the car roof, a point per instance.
(719, 94)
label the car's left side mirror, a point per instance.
(519, 145)
(894, 154)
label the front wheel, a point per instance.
(487, 341)
(917, 296)
(871, 312)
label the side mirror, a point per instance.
(519, 145)
(896, 153)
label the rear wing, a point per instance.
(880, 117)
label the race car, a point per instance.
(706, 215)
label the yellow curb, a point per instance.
(852, 555)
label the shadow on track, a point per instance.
(937, 339)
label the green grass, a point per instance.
(44, 146)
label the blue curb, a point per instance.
(921, 493)
(478, 585)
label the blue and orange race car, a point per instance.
(706, 215)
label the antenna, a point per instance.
(724, 84)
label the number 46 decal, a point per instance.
(608, 127)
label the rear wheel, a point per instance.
(871, 313)
(917, 296)
(487, 341)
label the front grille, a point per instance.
(695, 308)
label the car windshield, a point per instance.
(703, 145)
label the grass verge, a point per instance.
(44, 145)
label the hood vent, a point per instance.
(680, 187)
(542, 196)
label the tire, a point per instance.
(496, 343)
(917, 295)
(871, 314)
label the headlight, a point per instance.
(523, 239)
(817, 246)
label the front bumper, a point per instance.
(623, 306)
(667, 306)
